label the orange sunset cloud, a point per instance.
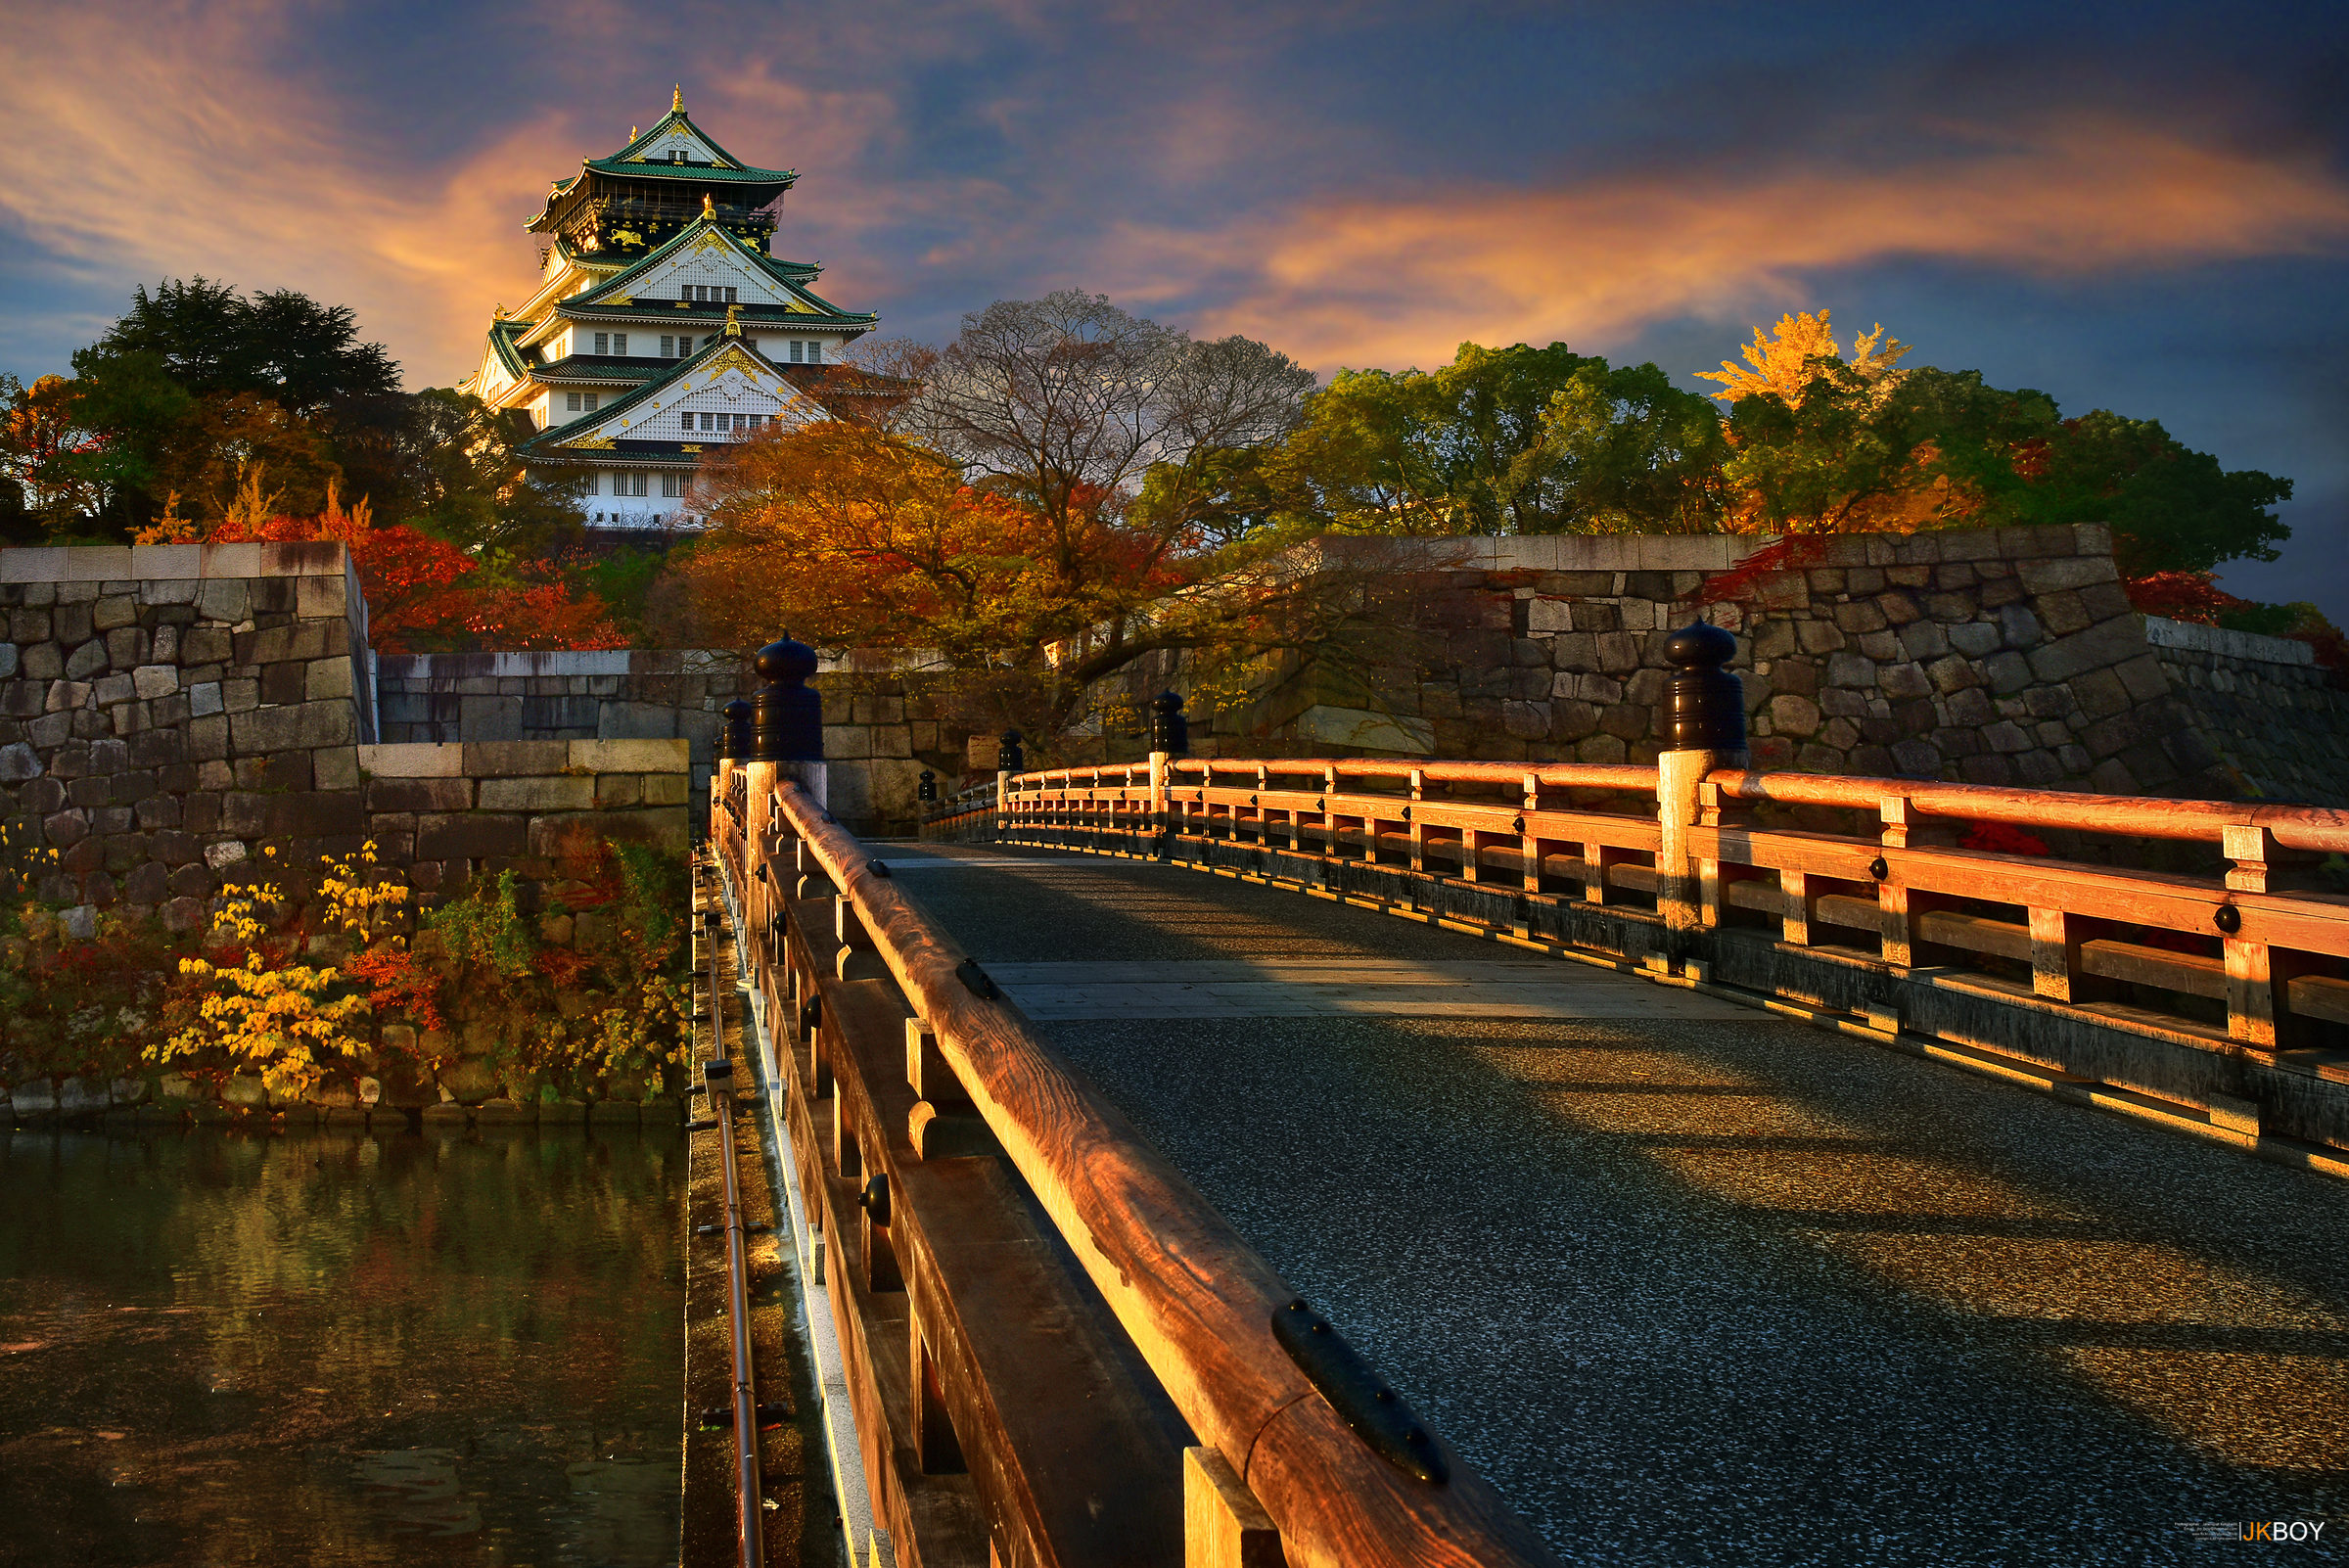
(1393, 282)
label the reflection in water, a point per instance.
(340, 1348)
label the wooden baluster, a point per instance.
(937, 1451)
(1329, 816)
(1892, 896)
(2056, 938)
(1418, 836)
(1224, 1526)
(1801, 893)
(1595, 872)
(1529, 849)
(2257, 976)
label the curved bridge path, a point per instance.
(1689, 1283)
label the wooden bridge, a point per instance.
(1359, 1161)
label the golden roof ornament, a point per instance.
(676, 99)
(733, 321)
(708, 206)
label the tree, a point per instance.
(279, 345)
(1854, 454)
(2170, 508)
(1623, 451)
(1500, 440)
(853, 537)
(1782, 362)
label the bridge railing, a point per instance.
(1056, 1350)
(2198, 989)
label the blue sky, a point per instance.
(2134, 207)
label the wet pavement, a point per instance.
(324, 1348)
(1710, 1289)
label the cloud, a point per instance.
(1379, 282)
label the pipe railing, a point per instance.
(1305, 1442)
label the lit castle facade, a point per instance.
(659, 324)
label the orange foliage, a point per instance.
(419, 588)
(851, 536)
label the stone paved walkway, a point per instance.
(1713, 1288)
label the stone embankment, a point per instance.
(2003, 657)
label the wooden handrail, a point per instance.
(1196, 1300)
(2295, 827)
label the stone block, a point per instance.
(471, 835)
(514, 759)
(326, 678)
(664, 788)
(204, 698)
(413, 759)
(86, 661)
(150, 681)
(282, 684)
(298, 726)
(107, 690)
(42, 662)
(428, 793)
(619, 790)
(2065, 571)
(627, 756)
(335, 767)
(558, 793)
(620, 721)
(1797, 716)
(2099, 647)
(489, 719)
(321, 597)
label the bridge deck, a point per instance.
(1686, 1281)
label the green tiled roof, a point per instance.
(618, 163)
(546, 443)
(790, 274)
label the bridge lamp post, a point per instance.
(1708, 732)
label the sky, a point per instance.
(2140, 208)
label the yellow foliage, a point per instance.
(274, 1017)
(1776, 362)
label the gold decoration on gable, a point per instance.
(591, 443)
(688, 446)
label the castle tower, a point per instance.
(660, 325)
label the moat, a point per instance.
(221, 1348)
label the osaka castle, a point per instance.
(661, 325)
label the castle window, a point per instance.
(673, 485)
(797, 349)
(619, 343)
(591, 403)
(669, 347)
(688, 419)
(571, 401)
(731, 299)
(603, 343)
(636, 484)
(816, 353)
(594, 484)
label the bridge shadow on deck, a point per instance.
(1739, 1291)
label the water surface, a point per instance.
(340, 1348)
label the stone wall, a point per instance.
(439, 818)
(2006, 656)
(161, 705)
(879, 731)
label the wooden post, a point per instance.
(2056, 938)
(1224, 1526)
(1677, 892)
(1801, 893)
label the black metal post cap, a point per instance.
(1169, 730)
(1700, 646)
(788, 720)
(1708, 703)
